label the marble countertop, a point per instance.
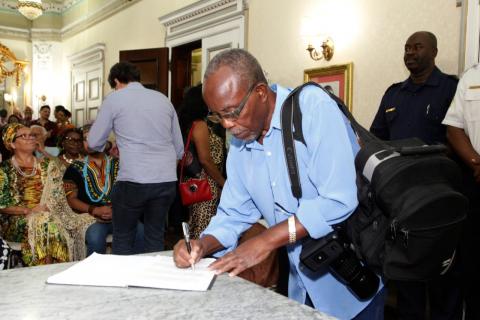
(25, 295)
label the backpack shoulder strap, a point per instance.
(286, 117)
(290, 113)
(362, 133)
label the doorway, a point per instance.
(153, 66)
(186, 69)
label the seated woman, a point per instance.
(88, 185)
(208, 142)
(24, 212)
(43, 151)
(71, 147)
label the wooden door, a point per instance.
(153, 66)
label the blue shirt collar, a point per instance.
(134, 84)
(282, 94)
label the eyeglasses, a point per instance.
(73, 140)
(25, 136)
(215, 117)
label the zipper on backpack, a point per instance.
(439, 226)
(405, 237)
(393, 229)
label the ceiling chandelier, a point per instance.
(31, 9)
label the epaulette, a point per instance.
(397, 84)
(453, 77)
(475, 66)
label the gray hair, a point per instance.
(241, 62)
(36, 126)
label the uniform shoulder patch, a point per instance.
(395, 85)
(452, 77)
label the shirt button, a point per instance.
(273, 184)
(269, 153)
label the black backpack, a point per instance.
(409, 219)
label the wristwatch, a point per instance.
(292, 231)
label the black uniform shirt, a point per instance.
(411, 110)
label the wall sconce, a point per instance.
(326, 52)
(7, 97)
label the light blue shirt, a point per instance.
(147, 134)
(258, 186)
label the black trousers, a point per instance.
(469, 248)
(132, 200)
(443, 295)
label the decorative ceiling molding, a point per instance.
(14, 33)
(45, 34)
(201, 14)
(55, 7)
(109, 8)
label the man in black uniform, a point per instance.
(416, 108)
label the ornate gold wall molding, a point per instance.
(10, 66)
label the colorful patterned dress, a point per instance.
(202, 212)
(40, 236)
(93, 183)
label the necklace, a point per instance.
(105, 185)
(69, 161)
(22, 173)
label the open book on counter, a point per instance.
(136, 271)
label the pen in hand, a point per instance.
(186, 234)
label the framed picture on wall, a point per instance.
(338, 79)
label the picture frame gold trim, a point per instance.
(331, 74)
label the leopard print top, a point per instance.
(201, 213)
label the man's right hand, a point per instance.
(476, 169)
(182, 258)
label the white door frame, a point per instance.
(205, 19)
(470, 35)
(83, 64)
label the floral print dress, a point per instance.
(40, 236)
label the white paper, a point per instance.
(140, 271)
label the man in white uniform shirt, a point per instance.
(463, 133)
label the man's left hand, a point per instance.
(247, 255)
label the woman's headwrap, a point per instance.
(9, 132)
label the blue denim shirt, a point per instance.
(258, 186)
